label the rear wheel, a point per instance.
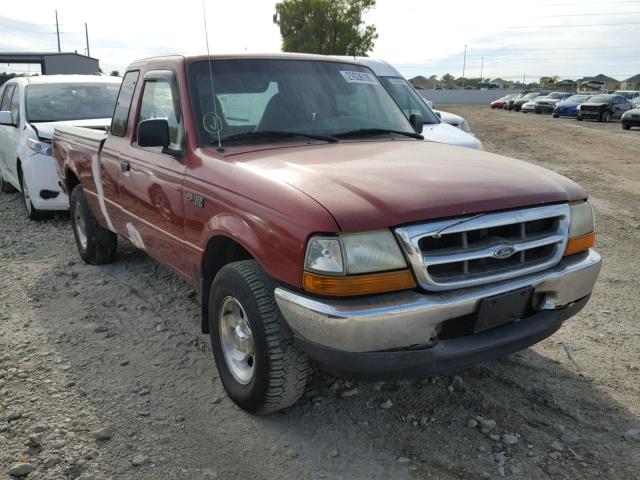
(32, 212)
(6, 187)
(96, 245)
(260, 366)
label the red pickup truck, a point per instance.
(293, 194)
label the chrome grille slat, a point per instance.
(469, 251)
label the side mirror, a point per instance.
(6, 118)
(438, 114)
(154, 133)
(416, 122)
(430, 103)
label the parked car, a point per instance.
(452, 119)
(630, 118)
(436, 129)
(291, 192)
(569, 107)
(30, 108)
(628, 94)
(603, 107)
(528, 107)
(519, 102)
(547, 103)
(501, 102)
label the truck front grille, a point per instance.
(484, 248)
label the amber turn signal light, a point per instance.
(580, 244)
(358, 284)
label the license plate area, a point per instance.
(503, 308)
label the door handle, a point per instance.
(125, 166)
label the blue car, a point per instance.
(569, 107)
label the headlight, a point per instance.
(578, 108)
(355, 264)
(581, 228)
(354, 253)
(464, 126)
(42, 148)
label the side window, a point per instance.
(15, 106)
(123, 105)
(6, 99)
(159, 101)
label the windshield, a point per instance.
(600, 99)
(577, 98)
(408, 99)
(56, 102)
(529, 96)
(628, 95)
(554, 96)
(295, 96)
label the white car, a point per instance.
(529, 107)
(30, 108)
(436, 128)
(452, 119)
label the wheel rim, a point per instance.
(81, 227)
(237, 340)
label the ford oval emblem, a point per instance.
(504, 252)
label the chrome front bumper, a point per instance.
(409, 318)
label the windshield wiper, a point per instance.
(377, 131)
(278, 134)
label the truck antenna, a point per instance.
(213, 92)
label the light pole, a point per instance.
(464, 64)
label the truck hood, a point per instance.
(444, 133)
(378, 184)
(589, 104)
(44, 130)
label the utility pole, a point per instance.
(464, 64)
(58, 31)
(524, 78)
(481, 70)
(86, 35)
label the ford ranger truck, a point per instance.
(295, 196)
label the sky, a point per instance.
(504, 38)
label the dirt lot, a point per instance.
(103, 372)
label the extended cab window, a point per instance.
(160, 100)
(123, 105)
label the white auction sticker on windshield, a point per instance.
(359, 77)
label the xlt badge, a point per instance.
(197, 200)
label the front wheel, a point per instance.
(96, 244)
(626, 126)
(260, 366)
(32, 212)
(556, 116)
(579, 118)
(605, 117)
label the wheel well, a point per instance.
(71, 180)
(219, 252)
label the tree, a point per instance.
(447, 79)
(328, 27)
(115, 73)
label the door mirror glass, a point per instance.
(154, 133)
(6, 118)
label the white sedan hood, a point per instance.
(45, 129)
(444, 133)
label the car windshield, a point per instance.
(554, 96)
(529, 96)
(298, 97)
(577, 98)
(408, 99)
(56, 102)
(600, 99)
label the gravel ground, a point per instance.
(103, 372)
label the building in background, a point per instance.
(51, 63)
(631, 83)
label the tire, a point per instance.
(579, 118)
(32, 212)
(96, 245)
(273, 371)
(6, 187)
(605, 117)
(626, 126)
(556, 116)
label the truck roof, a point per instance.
(268, 56)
